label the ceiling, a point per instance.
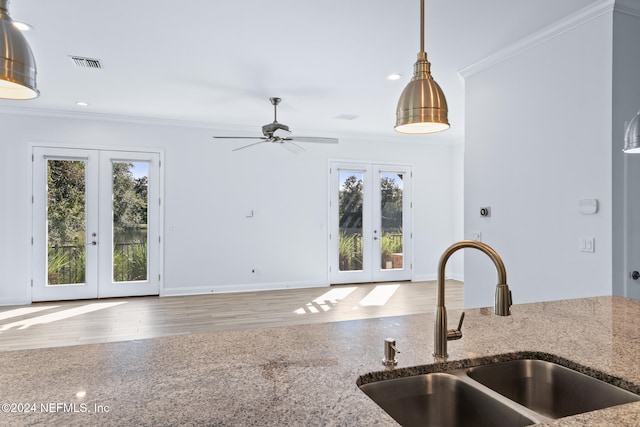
(216, 63)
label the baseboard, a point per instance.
(14, 301)
(238, 287)
(433, 277)
(424, 277)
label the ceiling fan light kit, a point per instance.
(422, 107)
(17, 65)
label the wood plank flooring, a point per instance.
(63, 323)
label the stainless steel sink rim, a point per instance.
(493, 359)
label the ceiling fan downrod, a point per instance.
(275, 102)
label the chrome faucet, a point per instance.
(502, 297)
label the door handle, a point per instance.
(93, 243)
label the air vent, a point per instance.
(82, 62)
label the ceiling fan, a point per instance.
(278, 133)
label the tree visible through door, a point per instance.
(96, 223)
(369, 215)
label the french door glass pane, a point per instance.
(66, 221)
(130, 207)
(391, 220)
(350, 220)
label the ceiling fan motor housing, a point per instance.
(268, 130)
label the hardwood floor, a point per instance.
(63, 323)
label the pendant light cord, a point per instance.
(421, 25)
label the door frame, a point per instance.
(371, 205)
(97, 148)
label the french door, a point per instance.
(370, 221)
(95, 223)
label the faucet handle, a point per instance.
(456, 334)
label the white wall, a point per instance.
(538, 139)
(210, 245)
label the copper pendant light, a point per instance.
(17, 65)
(422, 107)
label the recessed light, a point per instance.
(82, 103)
(22, 26)
(394, 76)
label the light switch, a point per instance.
(587, 244)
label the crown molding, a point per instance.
(445, 139)
(549, 32)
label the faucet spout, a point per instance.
(502, 302)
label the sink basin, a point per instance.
(550, 389)
(518, 390)
(441, 399)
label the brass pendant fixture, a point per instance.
(422, 107)
(17, 64)
(632, 136)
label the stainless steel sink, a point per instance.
(512, 393)
(550, 389)
(441, 399)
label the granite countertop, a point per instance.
(302, 375)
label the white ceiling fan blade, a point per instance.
(239, 137)
(315, 139)
(281, 132)
(290, 146)
(250, 145)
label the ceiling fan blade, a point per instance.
(250, 145)
(314, 139)
(239, 137)
(290, 146)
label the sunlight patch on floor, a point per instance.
(60, 315)
(24, 311)
(335, 295)
(327, 299)
(379, 296)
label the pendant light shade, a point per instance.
(632, 136)
(422, 107)
(17, 65)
